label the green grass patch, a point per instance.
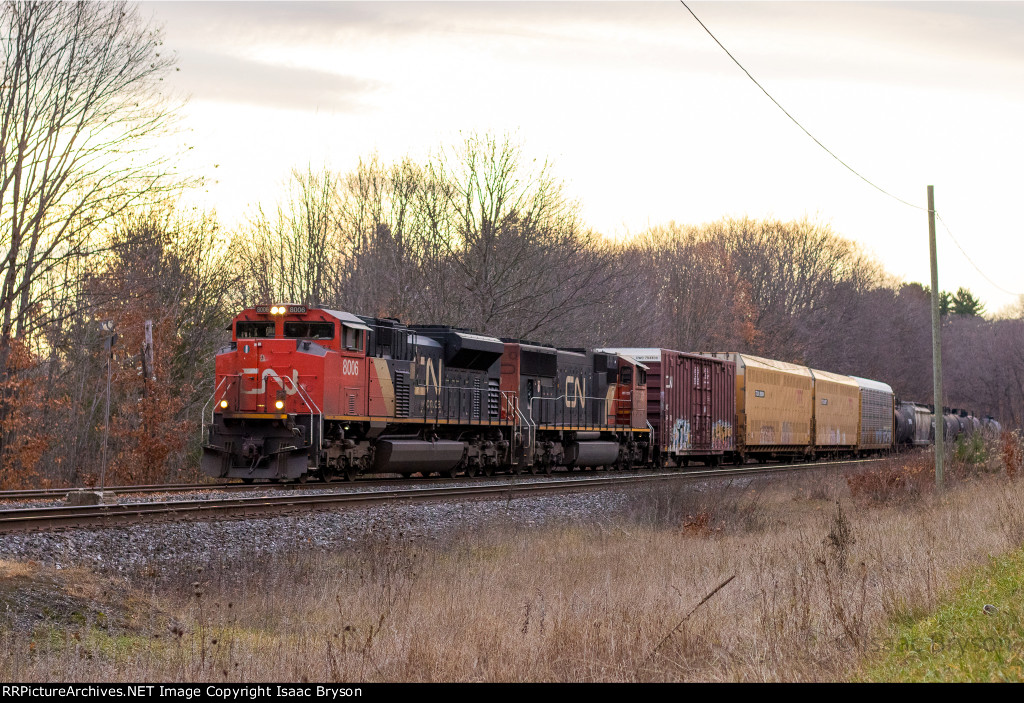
(963, 640)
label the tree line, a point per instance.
(476, 235)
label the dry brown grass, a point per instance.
(17, 569)
(814, 582)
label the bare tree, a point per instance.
(291, 256)
(391, 224)
(689, 293)
(80, 103)
(520, 252)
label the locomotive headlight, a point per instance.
(224, 404)
(279, 404)
(274, 310)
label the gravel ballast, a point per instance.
(127, 549)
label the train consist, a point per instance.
(306, 391)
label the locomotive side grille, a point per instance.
(351, 403)
(476, 399)
(493, 399)
(401, 394)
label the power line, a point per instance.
(845, 165)
(795, 121)
(970, 261)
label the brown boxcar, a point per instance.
(774, 406)
(691, 404)
(836, 411)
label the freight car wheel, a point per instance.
(350, 475)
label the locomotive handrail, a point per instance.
(313, 408)
(437, 411)
(563, 397)
(531, 427)
(212, 396)
(602, 400)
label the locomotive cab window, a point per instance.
(309, 330)
(352, 339)
(641, 377)
(626, 376)
(254, 330)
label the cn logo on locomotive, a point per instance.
(575, 391)
(270, 373)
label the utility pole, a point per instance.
(107, 328)
(940, 420)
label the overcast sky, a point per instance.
(645, 117)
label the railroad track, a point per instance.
(51, 493)
(46, 518)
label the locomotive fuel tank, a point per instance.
(407, 456)
(591, 453)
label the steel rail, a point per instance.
(49, 493)
(25, 519)
(44, 493)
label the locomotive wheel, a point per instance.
(472, 470)
(327, 475)
(548, 468)
(535, 469)
(488, 470)
(303, 477)
(350, 475)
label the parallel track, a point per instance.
(51, 493)
(28, 519)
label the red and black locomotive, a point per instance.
(303, 391)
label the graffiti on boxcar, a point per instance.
(787, 433)
(835, 435)
(721, 435)
(680, 436)
(767, 434)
